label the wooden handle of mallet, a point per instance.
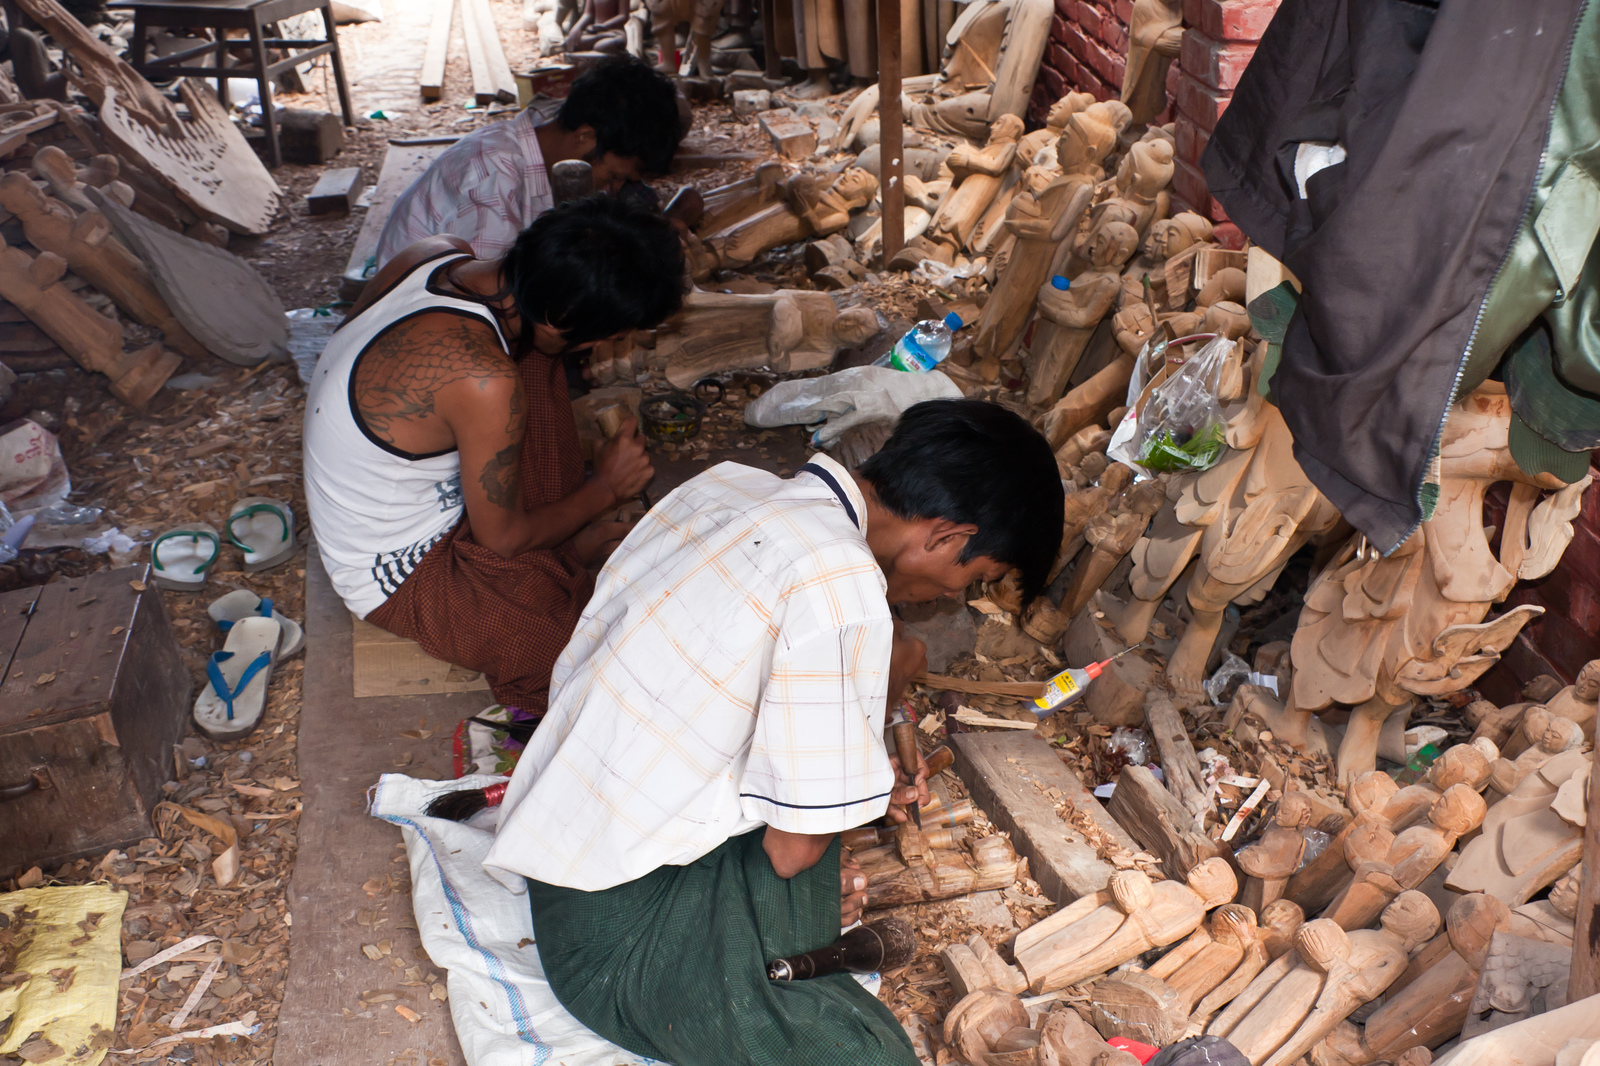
(609, 419)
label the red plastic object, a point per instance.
(1143, 1052)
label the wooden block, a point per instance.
(388, 665)
(965, 972)
(792, 136)
(309, 137)
(1009, 775)
(1154, 817)
(433, 58)
(95, 694)
(402, 165)
(1117, 696)
(336, 192)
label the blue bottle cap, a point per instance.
(1061, 283)
(953, 320)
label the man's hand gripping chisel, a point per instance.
(905, 746)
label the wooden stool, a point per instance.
(257, 18)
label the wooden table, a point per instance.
(257, 18)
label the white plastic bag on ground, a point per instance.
(482, 933)
(310, 329)
(860, 394)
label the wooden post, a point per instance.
(1585, 979)
(893, 187)
(769, 38)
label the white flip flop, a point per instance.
(235, 696)
(240, 604)
(182, 557)
(263, 529)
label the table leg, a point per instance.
(338, 67)
(136, 47)
(222, 69)
(269, 121)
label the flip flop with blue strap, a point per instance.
(240, 604)
(235, 696)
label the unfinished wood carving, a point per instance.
(979, 173)
(1294, 1003)
(206, 160)
(1155, 34)
(1526, 843)
(90, 250)
(1566, 1036)
(894, 879)
(220, 299)
(1273, 858)
(100, 73)
(1070, 315)
(788, 330)
(702, 17)
(1520, 978)
(825, 206)
(1140, 916)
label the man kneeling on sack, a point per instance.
(718, 719)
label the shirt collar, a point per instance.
(846, 482)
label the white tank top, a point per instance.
(375, 509)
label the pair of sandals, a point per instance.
(262, 528)
(258, 638)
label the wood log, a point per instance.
(792, 136)
(1161, 825)
(1185, 778)
(1026, 690)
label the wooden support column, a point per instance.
(769, 38)
(1585, 979)
(893, 187)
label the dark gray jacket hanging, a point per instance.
(1445, 112)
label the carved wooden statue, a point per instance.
(1414, 855)
(826, 206)
(1070, 315)
(1548, 736)
(702, 17)
(1273, 858)
(980, 173)
(1379, 631)
(1526, 842)
(1141, 916)
(1039, 147)
(1521, 977)
(1155, 34)
(1299, 999)
(788, 330)
(1460, 764)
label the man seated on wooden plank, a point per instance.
(443, 471)
(718, 719)
(621, 117)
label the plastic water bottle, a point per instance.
(924, 348)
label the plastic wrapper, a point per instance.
(1223, 684)
(1316, 843)
(310, 329)
(1134, 743)
(1181, 426)
(860, 394)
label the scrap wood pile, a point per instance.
(114, 210)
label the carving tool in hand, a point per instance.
(905, 746)
(610, 418)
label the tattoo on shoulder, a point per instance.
(405, 369)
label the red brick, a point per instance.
(1124, 10)
(1114, 36)
(1189, 185)
(1192, 141)
(1105, 64)
(1216, 63)
(1052, 85)
(1087, 16)
(1058, 29)
(1229, 20)
(1064, 9)
(1059, 58)
(1201, 102)
(1076, 43)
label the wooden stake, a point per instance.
(893, 187)
(444, 14)
(1585, 978)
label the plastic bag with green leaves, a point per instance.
(1181, 427)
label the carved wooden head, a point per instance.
(1462, 764)
(1412, 917)
(1234, 921)
(1321, 943)
(1459, 810)
(1560, 734)
(1587, 687)
(1112, 244)
(1132, 890)
(1294, 811)
(1370, 791)
(1282, 916)
(1472, 920)
(1214, 882)
(1064, 108)
(1564, 893)
(1176, 234)
(1006, 129)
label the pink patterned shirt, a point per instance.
(486, 188)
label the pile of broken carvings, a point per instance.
(114, 212)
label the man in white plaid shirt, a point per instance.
(718, 718)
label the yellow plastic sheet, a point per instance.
(60, 958)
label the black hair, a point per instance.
(595, 267)
(633, 108)
(973, 462)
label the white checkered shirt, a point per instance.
(486, 188)
(730, 672)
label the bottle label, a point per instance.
(1057, 690)
(909, 356)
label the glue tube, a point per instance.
(1069, 685)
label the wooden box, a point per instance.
(93, 697)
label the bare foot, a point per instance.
(852, 891)
(1186, 671)
(814, 89)
(1133, 622)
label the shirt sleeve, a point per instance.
(817, 761)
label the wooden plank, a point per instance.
(1009, 775)
(388, 665)
(402, 165)
(1023, 690)
(343, 748)
(433, 59)
(491, 75)
(336, 192)
(15, 607)
(1584, 980)
(892, 189)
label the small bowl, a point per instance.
(672, 417)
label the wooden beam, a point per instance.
(892, 188)
(491, 75)
(1585, 978)
(769, 39)
(433, 59)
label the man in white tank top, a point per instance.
(443, 473)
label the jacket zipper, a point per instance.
(1477, 321)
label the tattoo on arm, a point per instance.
(405, 368)
(499, 476)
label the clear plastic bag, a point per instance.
(1181, 426)
(310, 329)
